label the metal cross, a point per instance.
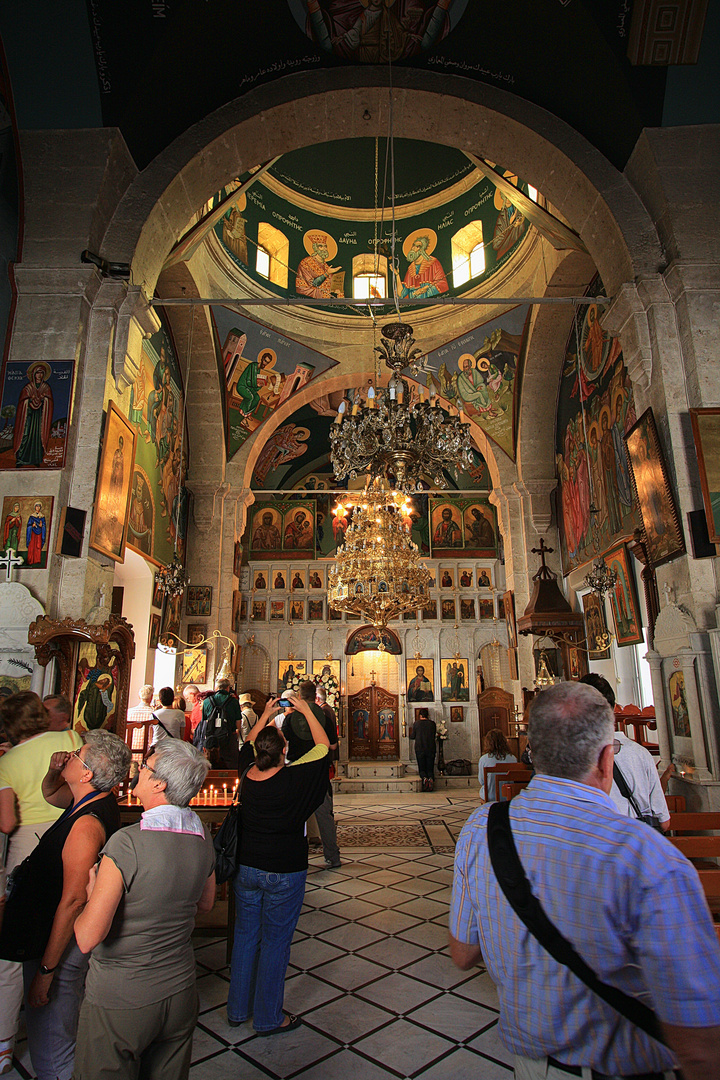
(372, 676)
(542, 551)
(8, 561)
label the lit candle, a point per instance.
(129, 798)
(371, 397)
(224, 793)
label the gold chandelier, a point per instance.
(396, 435)
(378, 573)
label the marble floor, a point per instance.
(369, 973)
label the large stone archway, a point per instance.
(595, 199)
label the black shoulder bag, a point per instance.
(159, 721)
(516, 887)
(226, 840)
(622, 785)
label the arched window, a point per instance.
(273, 254)
(468, 253)
(369, 277)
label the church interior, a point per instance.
(259, 257)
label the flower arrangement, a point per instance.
(442, 731)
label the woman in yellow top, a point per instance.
(24, 816)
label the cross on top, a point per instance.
(542, 551)
(8, 561)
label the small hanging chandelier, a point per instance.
(601, 578)
(171, 579)
(395, 435)
(378, 573)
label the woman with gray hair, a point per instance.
(141, 1004)
(49, 893)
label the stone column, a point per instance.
(655, 660)
(687, 658)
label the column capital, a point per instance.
(538, 492)
(136, 320)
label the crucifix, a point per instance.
(372, 676)
(544, 572)
(8, 561)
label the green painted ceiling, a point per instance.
(344, 173)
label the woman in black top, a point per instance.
(50, 893)
(269, 886)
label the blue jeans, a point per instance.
(268, 907)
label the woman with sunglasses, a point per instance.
(24, 816)
(141, 1001)
(50, 893)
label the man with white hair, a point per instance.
(142, 712)
(620, 895)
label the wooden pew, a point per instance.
(675, 803)
(510, 788)
(690, 836)
(506, 769)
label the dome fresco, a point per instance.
(309, 226)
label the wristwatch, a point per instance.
(46, 970)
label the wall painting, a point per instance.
(481, 373)
(454, 674)
(590, 450)
(282, 530)
(108, 532)
(35, 413)
(462, 525)
(159, 503)
(661, 523)
(26, 522)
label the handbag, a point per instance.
(515, 885)
(226, 840)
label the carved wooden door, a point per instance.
(374, 725)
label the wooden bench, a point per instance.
(636, 723)
(505, 770)
(689, 834)
(510, 788)
(675, 803)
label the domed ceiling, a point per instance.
(318, 223)
(316, 226)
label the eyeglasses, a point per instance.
(617, 746)
(76, 753)
(144, 765)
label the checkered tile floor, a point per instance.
(369, 970)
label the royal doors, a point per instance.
(373, 726)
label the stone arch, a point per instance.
(596, 200)
(500, 467)
(203, 396)
(543, 368)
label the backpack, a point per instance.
(213, 729)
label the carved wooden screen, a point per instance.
(374, 725)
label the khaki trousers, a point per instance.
(148, 1043)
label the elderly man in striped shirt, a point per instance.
(629, 903)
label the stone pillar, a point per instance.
(687, 658)
(655, 660)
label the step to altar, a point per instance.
(388, 776)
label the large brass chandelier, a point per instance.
(378, 573)
(397, 435)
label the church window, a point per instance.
(468, 254)
(369, 277)
(273, 253)
(262, 262)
